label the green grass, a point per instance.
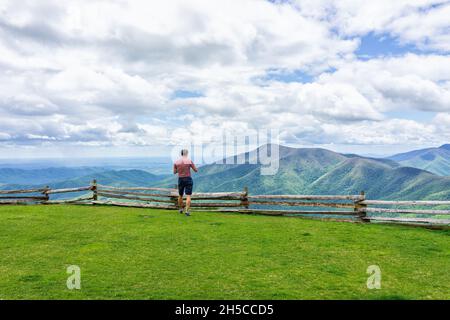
(127, 253)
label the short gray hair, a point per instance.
(184, 152)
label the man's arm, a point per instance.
(194, 167)
(175, 171)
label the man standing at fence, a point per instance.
(183, 167)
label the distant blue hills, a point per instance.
(419, 174)
(435, 160)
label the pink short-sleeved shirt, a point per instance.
(183, 167)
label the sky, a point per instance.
(133, 78)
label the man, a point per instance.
(183, 167)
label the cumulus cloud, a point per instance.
(107, 73)
(420, 22)
(411, 81)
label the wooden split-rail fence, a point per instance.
(355, 208)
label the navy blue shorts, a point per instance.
(185, 186)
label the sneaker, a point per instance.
(180, 211)
(188, 214)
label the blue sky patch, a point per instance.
(185, 94)
(419, 116)
(287, 76)
(373, 45)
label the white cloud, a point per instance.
(423, 23)
(410, 82)
(392, 131)
(106, 72)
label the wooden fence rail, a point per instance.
(69, 190)
(336, 207)
(406, 203)
(22, 191)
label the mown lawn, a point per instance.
(127, 253)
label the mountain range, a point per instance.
(320, 171)
(124, 178)
(301, 171)
(45, 175)
(435, 160)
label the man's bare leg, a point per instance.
(180, 204)
(188, 203)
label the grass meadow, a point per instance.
(130, 253)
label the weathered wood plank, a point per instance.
(134, 205)
(94, 188)
(194, 196)
(144, 194)
(214, 205)
(424, 220)
(360, 206)
(14, 202)
(52, 202)
(69, 201)
(216, 199)
(68, 190)
(217, 195)
(307, 197)
(406, 203)
(22, 191)
(99, 186)
(290, 212)
(304, 204)
(237, 211)
(30, 198)
(118, 196)
(411, 211)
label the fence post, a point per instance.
(175, 198)
(359, 208)
(94, 190)
(244, 198)
(45, 193)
